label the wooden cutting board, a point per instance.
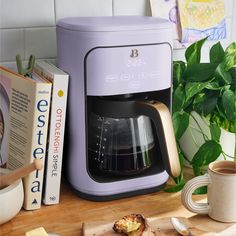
(161, 226)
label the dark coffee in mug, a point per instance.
(225, 170)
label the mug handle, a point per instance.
(186, 195)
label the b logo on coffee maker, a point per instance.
(134, 53)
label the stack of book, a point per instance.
(32, 122)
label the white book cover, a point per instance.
(29, 106)
(52, 178)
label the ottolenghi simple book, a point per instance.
(52, 176)
(29, 105)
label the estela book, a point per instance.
(27, 113)
(53, 162)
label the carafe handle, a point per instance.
(161, 117)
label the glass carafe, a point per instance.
(121, 136)
(122, 146)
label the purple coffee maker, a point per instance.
(119, 136)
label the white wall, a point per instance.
(28, 26)
(233, 25)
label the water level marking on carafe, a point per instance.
(100, 145)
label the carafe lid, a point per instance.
(113, 23)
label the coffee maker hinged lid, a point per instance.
(115, 23)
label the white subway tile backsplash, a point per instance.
(69, 8)
(28, 26)
(228, 31)
(179, 55)
(131, 7)
(10, 65)
(11, 43)
(228, 7)
(233, 24)
(1, 9)
(41, 42)
(26, 13)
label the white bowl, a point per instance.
(11, 199)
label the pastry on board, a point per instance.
(133, 225)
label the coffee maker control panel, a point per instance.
(132, 77)
(128, 69)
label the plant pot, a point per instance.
(192, 139)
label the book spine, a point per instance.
(52, 176)
(55, 144)
(29, 113)
(34, 181)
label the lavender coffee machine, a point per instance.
(119, 136)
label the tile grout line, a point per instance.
(112, 8)
(54, 9)
(233, 21)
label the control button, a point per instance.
(154, 75)
(134, 84)
(111, 78)
(125, 77)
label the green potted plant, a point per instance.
(204, 107)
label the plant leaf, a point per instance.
(207, 153)
(215, 132)
(200, 190)
(178, 70)
(218, 118)
(232, 71)
(230, 56)
(193, 52)
(178, 98)
(205, 103)
(229, 104)
(197, 170)
(221, 74)
(232, 129)
(192, 88)
(220, 110)
(200, 72)
(175, 188)
(215, 86)
(180, 123)
(181, 158)
(217, 53)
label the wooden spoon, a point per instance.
(12, 176)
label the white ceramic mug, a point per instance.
(221, 193)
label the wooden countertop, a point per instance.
(66, 218)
